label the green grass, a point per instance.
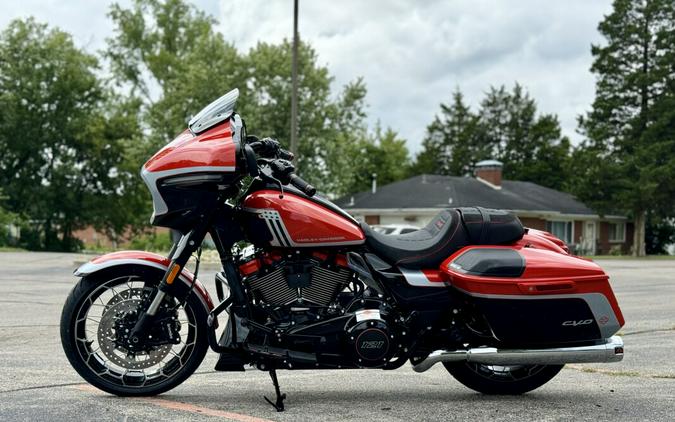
(11, 249)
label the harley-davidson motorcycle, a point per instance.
(306, 286)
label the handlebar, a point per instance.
(270, 152)
(270, 148)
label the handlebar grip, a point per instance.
(305, 187)
(285, 155)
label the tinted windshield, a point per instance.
(214, 113)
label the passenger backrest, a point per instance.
(486, 226)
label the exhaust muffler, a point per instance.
(609, 351)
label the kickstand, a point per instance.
(279, 405)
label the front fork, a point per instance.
(179, 255)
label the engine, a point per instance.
(315, 304)
(295, 279)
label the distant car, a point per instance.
(395, 229)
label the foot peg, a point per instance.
(279, 405)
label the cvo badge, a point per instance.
(574, 323)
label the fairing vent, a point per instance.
(325, 284)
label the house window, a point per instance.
(617, 232)
(561, 230)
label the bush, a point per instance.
(659, 234)
(156, 242)
(615, 250)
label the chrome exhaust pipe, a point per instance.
(609, 351)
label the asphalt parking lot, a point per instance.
(37, 383)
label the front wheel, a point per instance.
(503, 380)
(100, 312)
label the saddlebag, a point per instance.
(533, 296)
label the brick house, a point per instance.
(416, 200)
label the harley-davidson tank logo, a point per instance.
(321, 239)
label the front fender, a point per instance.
(143, 258)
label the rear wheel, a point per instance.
(494, 379)
(100, 312)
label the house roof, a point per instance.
(433, 191)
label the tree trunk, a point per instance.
(67, 241)
(639, 233)
(51, 238)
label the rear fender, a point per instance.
(148, 259)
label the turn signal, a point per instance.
(172, 274)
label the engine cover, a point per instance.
(369, 339)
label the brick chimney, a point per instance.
(489, 171)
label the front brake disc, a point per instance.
(108, 336)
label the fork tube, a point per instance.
(181, 252)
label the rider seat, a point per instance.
(450, 230)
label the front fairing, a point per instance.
(184, 175)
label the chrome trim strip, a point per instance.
(419, 279)
(610, 351)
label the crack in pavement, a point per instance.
(616, 373)
(41, 387)
(29, 326)
(28, 302)
(656, 330)
(70, 384)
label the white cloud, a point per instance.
(412, 55)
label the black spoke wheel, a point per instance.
(496, 379)
(96, 321)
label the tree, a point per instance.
(7, 218)
(328, 128)
(382, 155)
(168, 55)
(630, 147)
(530, 146)
(507, 128)
(451, 145)
(659, 234)
(59, 154)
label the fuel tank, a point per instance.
(296, 221)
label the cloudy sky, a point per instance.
(412, 55)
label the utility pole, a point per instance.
(294, 82)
